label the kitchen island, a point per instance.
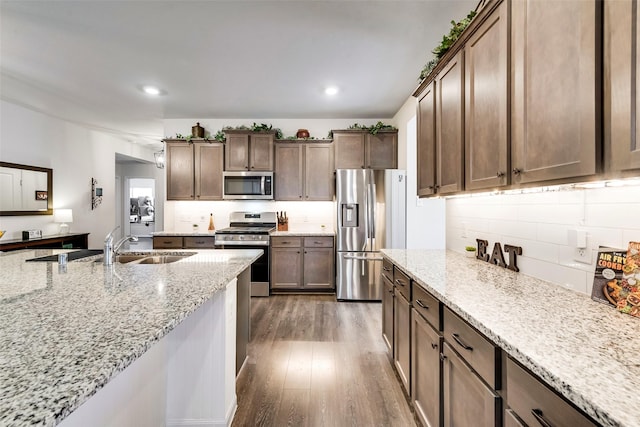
(584, 350)
(67, 332)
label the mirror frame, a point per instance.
(49, 173)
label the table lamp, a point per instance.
(63, 216)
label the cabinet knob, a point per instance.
(539, 416)
(434, 345)
(252, 167)
(516, 171)
(500, 174)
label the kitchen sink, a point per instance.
(150, 259)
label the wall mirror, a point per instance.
(25, 190)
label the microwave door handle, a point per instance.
(262, 179)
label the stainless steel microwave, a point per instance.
(247, 185)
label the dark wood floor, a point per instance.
(317, 362)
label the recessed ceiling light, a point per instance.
(331, 90)
(151, 90)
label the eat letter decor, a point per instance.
(497, 256)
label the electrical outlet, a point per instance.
(582, 255)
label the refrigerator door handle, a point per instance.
(365, 246)
(363, 258)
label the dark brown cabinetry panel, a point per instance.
(167, 242)
(622, 101)
(356, 149)
(536, 404)
(381, 150)
(349, 150)
(486, 103)
(248, 151)
(318, 268)
(302, 264)
(199, 242)
(450, 126)
(289, 171)
(555, 89)
(209, 162)
(426, 145)
(467, 401)
(286, 268)
(387, 313)
(180, 171)
(425, 370)
(304, 171)
(402, 339)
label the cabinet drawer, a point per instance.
(387, 269)
(286, 242)
(167, 242)
(477, 351)
(427, 305)
(402, 283)
(318, 242)
(535, 403)
(194, 242)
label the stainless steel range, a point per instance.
(250, 230)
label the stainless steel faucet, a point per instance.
(111, 249)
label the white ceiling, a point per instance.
(84, 60)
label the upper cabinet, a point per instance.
(486, 103)
(358, 149)
(304, 171)
(555, 89)
(194, 170)
(426, 150)
(248, 151)
(622, 149)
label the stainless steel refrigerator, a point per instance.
(370, 215)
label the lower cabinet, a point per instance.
(302, 263)
(167, 242)
(467, 400)
(425, 370)
(387, 313)
(402, 339)
(184, 242)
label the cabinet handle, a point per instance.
(516, 171)
(539, 416)
(434, 345)
(399, 282)
(443, 357)
(456, 337)
(390, 291)
(167, 243)
(304, 252)
(386, 268)
(421, 304)
(500, 174)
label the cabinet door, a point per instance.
(167, 242)
(402, 340)
(349, 150)
(555, 89)
(199, 242)
(288, 172)
(450, 126)
(261, 152)
(319, 179)
(286, 268)
(236, 154)
(209, 162)
(467, 401)
(486, 95)
(622, 101)
(425, 370)
(426, 148)
(387, 313)
(318, 268)
(381, 150)
(180, 171)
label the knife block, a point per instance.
(283, 226)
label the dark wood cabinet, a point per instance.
(304, 171)
(402, 339)
(536, 404)
(199, 242)
(59, 241)
(621, 78)
(486, 103)
(425, 370)
(467, 400)
(357, 149)
(248, 151)
(426, 144)
(167, 242)
(194, 170)
(450, 126)
(302, 263)
(387, 313)
(555, 115)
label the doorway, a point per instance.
(140, 218)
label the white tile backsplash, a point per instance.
(539, 222)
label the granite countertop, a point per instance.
(65, 333)
(304, 233)
(585, 350)
(187, 233)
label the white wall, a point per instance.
(539, 223)
(425, 217)
(76, 154)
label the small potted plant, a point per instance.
(470, 251)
